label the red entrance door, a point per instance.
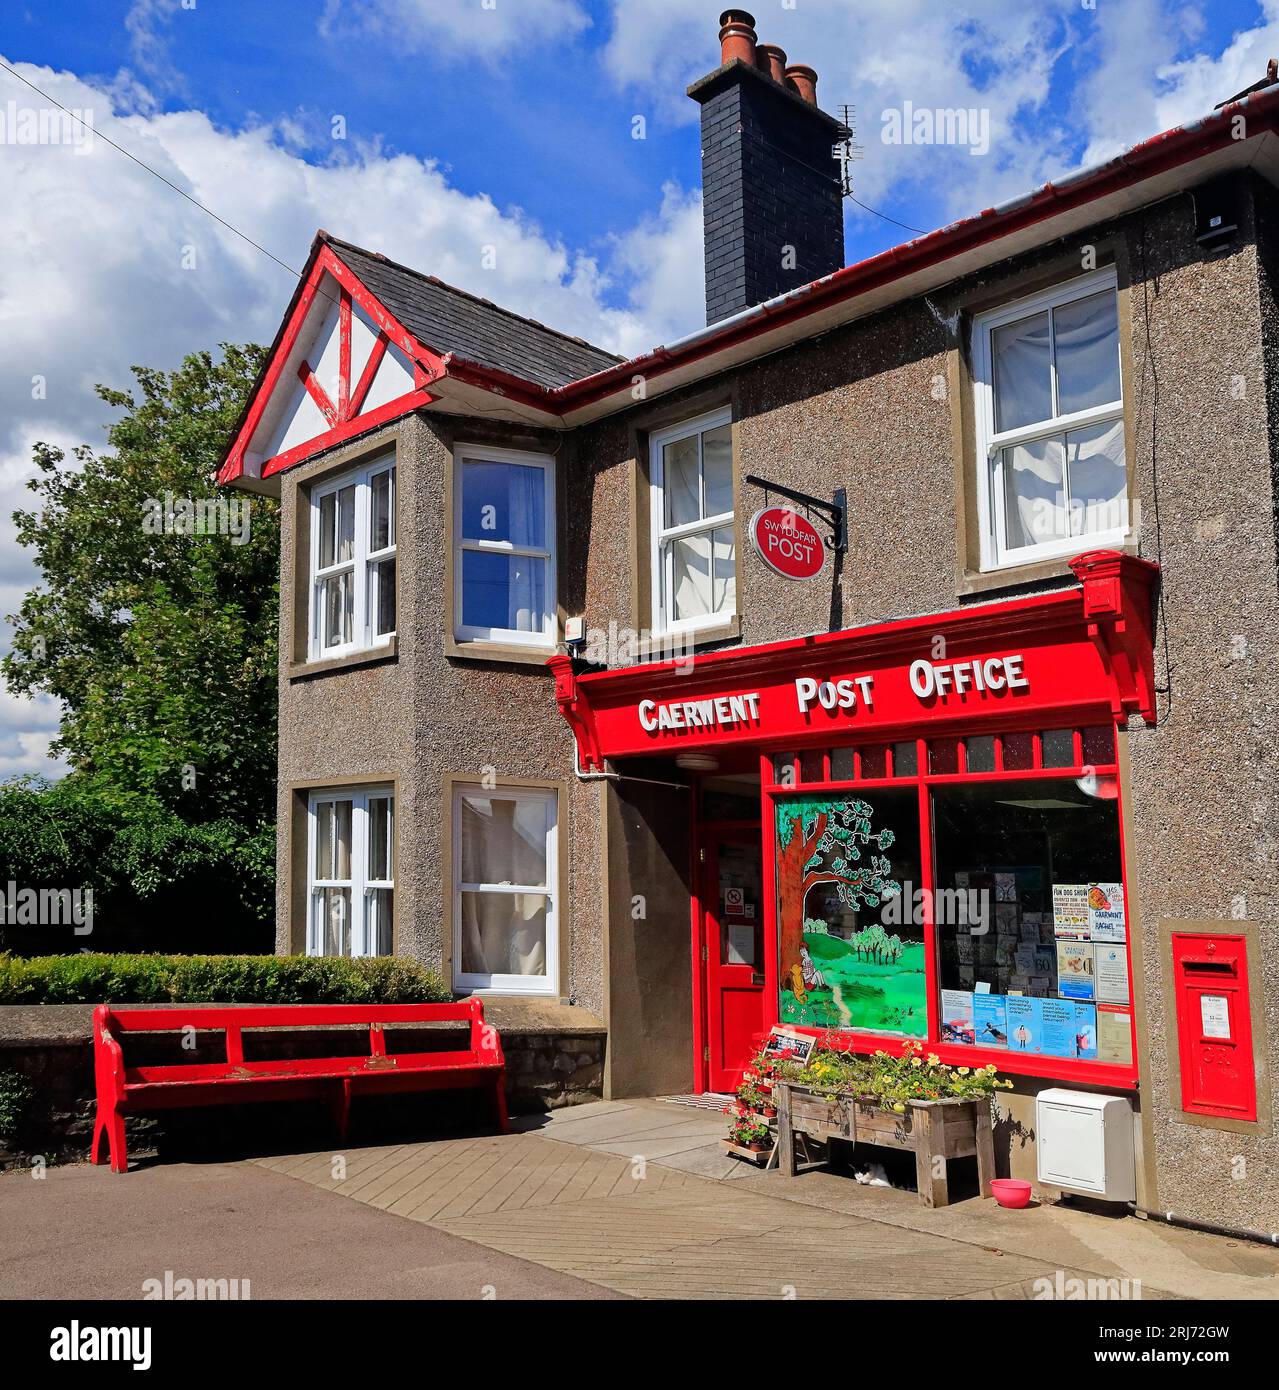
(733, 931)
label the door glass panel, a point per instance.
(740, 905)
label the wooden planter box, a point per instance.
(934, 1130)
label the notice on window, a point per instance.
(1086, 1031)
(1070, 911)
(1114, 1035)
(1214, 1014)
(1112, 973)
(990, 1020)
(741, 943)
(957, 1016)
(1057, 1038)
(1025, 1020)
(1076, 976)
(1106, 912)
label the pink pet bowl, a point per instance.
(1010, 1192)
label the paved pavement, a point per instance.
(605, 1200)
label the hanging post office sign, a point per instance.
(788, 543)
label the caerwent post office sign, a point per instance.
(788, 543)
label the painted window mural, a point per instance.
(851, 957)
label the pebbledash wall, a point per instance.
(881, 408)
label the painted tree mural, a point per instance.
(822, 842)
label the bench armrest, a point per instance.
(486, 1042)
(108, 1058)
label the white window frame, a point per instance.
(662, 571)
(361, 886)
(361, 565)
(995, 554)
(505, 636)
(471, 983)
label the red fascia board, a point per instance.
(324, 261)
(339, 434)
(1159, 154)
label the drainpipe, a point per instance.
(1211, 1227)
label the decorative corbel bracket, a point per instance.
(1119, 610)
(574, 707)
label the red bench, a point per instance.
(127, 1090)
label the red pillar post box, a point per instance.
(1214, 1025)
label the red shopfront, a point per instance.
(939, 837)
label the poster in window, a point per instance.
(990, 1020)
(850, 950)
(1112, 973)
(957, 1017)
(1025, 1022)
(1106, 912)
(1070, 911)
(1085, 1030)
(1075, 970)
(1057, 1038)
(1114, 1035)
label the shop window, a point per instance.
(1058, 748)
(812, 766)
(504, 547)
(505, 891)
(784, 769)
(843, 764)
(943, 756)
(874, 761)
(1099, 745)
(694, 539)
(1031, 935)
(1049, 407)
(351, 873)
(905, 759)
(1018, 752)
(353, 552)
(851, 940)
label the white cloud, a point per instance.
(93, 278)
(486, 29)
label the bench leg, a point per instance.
(499, 1103)
(340, 1105)
(109, 1125)
(786, 1162)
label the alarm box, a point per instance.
(1214, 1025)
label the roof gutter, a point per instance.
(1160, 153)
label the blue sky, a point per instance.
(495, 123)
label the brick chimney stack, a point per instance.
(773, 207)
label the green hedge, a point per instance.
(146, 979)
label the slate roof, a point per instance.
(446, 319)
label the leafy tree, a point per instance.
(161, 646)
(820, 842)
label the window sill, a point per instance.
(970, 582)
(479, 650)
(680, 638)
(304, 670)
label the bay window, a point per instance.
(353, 551)
(504, 547)
(1048, 401)
(351, 873)
(694, 546)
(505, 890)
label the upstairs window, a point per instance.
(1049, 408)
(694, 548)
(504, 547)
(353, 561)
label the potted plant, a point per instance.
(748, 1130)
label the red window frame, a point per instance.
(1013, 1064)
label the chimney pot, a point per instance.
(804, 81)
(772, 60)
(737, 36)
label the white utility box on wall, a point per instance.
(1084, 1144)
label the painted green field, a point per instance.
(879, 997)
